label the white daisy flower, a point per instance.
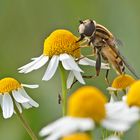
(60, 47)
(65, 126)
(12, 93)
(90, 103)
(120, 86)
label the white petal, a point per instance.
(69, 63)
(65, 126)
(112, 138)
(120, 117)
(26, 105)
(114, 125)
(78, 76)
(19, 107)
(90, 62)
(87, 61)
(7, 106)
(31, 101)
(19, 97)
(35, 64)
(70, 79)
(51, 69)
(31, 63)
(30, 86)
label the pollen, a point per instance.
(77, 136)
(87, 102)
(133, 95)
(8, 84)
(61, 41)
(123, 81)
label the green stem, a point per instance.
(25, 124)
(64, 89)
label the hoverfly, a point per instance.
(104, 46)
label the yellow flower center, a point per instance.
(87, 102)
(123, 81)
(77, 136)
(133, 95)
(61, 41)
(8, 84)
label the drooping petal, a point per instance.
(26, 105)
(31, 101)
(18, 106)
(79, 77)
(7, 106)
(51, 69)
(69, 63)
(65, 126)
(30, 86)
(19, 97)
(35, 64)
(70, 79)
(86, 61)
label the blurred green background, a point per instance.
(24, 24)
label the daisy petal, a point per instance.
(78, 77)
(30, 86)
(31, 101)
(30, 64)
(26, 105)
(18, 106)
(70, 79)
(112, 138)
(86, 61)
(18, 97)
(51, 69)
(90, 62)
(65, 126)
(36, 64)
(69, 63)
(7, 106)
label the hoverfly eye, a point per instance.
(89, 29)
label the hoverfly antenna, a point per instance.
(81, 22)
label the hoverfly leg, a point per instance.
(106, 77)
(98, 63)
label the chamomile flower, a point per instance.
(120, 84)
(12, 93)
(60, 46)
(77, 136)
(90, 103)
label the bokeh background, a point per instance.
(24, 24)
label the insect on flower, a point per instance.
(104, 46)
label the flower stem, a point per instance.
(64, 90)
(25, 124)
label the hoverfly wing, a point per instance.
(130, 68)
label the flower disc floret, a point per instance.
(133, 95)
(87, 102)
(8, 84)
(77, 136)
(60, 42)
(123, 81)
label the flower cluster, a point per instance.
(87, 108)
